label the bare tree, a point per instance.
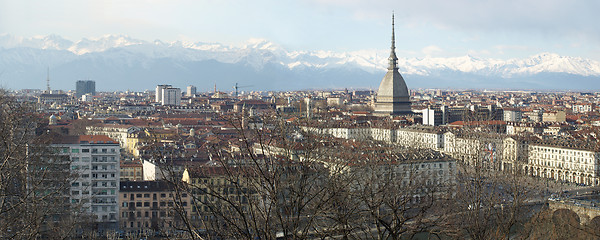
(34, 180)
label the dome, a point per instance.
(392, 85)
(392, 97)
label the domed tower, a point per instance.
(52, 120)
(392, 97)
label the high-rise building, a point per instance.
(191, 91)
(392, 97)
(85, 87)
(171, 96)
(159, 88)
(95, 162)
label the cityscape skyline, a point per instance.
(288, 136)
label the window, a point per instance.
(139, 195)
(85, 150)
(104, 150)
(138, 204)
(146, 204)
(147, 195)
(74, 150)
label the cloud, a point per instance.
(432, 50)
(502, 49)
(575, 19)
(479, 53)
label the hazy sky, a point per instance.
(439, 28)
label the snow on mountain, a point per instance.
(260, 52)
(127, 58)
(52, 42)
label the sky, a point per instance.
(500, 29)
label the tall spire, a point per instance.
(393, 60)
(48, 80)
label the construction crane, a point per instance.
(236, 87)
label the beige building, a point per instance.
(152, 207)
(554, 116)
(132, 170)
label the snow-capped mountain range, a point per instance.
(120, 62)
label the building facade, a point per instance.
(393, 96)
(83, 87)
(95, 161)
(191, 91)
(171, 96)
(575, 164)
(152, 207)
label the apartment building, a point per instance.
(152, 206)
(568, 162)
(95, 162)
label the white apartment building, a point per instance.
(171, 96)
(420, 137)
(424, 137)
(583, 107)
(512, 115)
(95, 162)
(572, 163)
(158, 94)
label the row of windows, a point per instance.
(144, 224)
(562, 151)
(87, 150)
(147, 195)
(154, 204)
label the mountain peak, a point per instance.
(260, 54)
(262, 44)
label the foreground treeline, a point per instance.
(277, 182)
(34, 181)
(281, 183)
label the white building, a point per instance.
(512, 115)
(158, 95)
(573, 163)
(191, 91)
(95, 161)
(171, 96)
(432, 117)
(583, 107)
(424, 137)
